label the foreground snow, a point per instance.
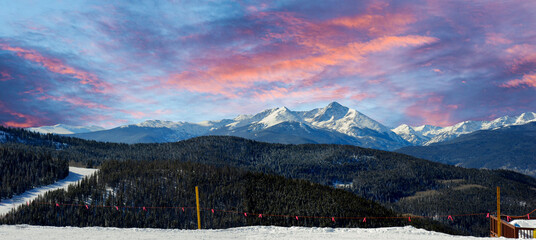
(8, 232)
(75, 175)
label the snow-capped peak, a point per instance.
(333, 111)
(403, 129)
(279, 115)
(344, 120)
(525, 118)
(159, 124)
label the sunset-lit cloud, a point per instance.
(56, 66)
(527, 81)
(416, 62)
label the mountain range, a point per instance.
(427, 134)
(511, 147)
(333, 124)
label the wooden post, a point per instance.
(499, 223)
(197, 203)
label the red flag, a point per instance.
(528, 216)
(333, 219)
(245, 214)
(212, 210)
(260, 215)
(365, 219)
(450, 218)
(296, 217)
(87, 207)
(508, 218)
(144, 209)
(409, 219)
(487, 215)
(57, 204)
(182, 209)
(117, 208)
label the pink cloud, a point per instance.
(136, 114)
(528, 80)
(497, 39)
(229, 75)
(310, 95)
(432, 110)
(57, 66)
(24, 119)
(521, 55)
(386, 24)
(302, 50)
(76, 101)
(5, 76)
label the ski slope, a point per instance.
(9, 232)
(75, 175)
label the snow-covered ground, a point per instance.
(9, 232)
(75, 175)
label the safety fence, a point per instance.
(508, 230)
(261, 215)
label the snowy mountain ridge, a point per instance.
(333, 123)
(426, 134)
(65, 129)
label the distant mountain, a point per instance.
(332, 124)
(152, 131)
(426, 134)
(512, 147)
(65, 129)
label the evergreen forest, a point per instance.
(24, 167)
(151, 194)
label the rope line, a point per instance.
(260, 215)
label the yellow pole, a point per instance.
(499, 212)
(198, 213)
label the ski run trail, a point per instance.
(75, 175)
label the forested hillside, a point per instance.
(405, 183)
(166, 186)
(23, 167)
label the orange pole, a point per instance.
(499, 212)
(198, 212)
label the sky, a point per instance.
(111, 63)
